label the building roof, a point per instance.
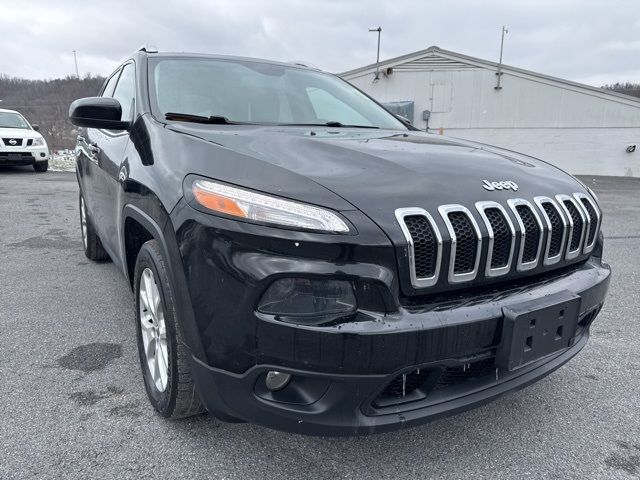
(436, 58)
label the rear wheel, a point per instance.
(93, 248)
(41, 166)
(163, 357)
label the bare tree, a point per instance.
(46, 102)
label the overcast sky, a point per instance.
(593, 42)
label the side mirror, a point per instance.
(97, 112)
(35, 126)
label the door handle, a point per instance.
(93, 148)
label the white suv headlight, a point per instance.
(242, 203)
(38, 142)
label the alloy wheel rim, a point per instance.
(83, 222)
(154, 332)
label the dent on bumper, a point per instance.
(356, 361)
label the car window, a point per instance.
(12, 120)
(328, 107)
(111, 83)
(125, 91)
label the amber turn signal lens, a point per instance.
(217, 203)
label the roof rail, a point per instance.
(148, 49)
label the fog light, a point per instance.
(42, 154)
(308, 301)
(277, 380)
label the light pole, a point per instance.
(379, 30)
(75, 59)
(499, 72)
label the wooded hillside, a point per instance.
(46, 102)
(626, 88)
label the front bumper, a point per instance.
(339, 373)
(23, 156)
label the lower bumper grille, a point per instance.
(460, 374)
(419, 383)
(16, 157)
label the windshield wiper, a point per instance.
(211, 120)
(327, 124)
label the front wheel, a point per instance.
(41, 166)
(91, 243)
(163, 357)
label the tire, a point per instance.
(176, 396)
(41, 166)
(91, 243)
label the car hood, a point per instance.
(18, 133)
(378, 171)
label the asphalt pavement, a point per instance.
(72, 401)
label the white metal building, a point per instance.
(581, 129)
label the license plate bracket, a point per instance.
(537, 328)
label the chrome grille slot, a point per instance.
(577, 222)
(466, 242)
(424, 245)
(593, 218)
(556, 227)
(530, 233)
(501, 238)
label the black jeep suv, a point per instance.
(303, 259)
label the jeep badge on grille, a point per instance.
(504, 185)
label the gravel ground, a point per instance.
(74, 406)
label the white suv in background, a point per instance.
(20, 143)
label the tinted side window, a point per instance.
(108, 89)
(125, 91)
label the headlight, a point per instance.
(308, 301)
(38, 142)
(242, 203)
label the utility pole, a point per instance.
(379, 30)
(499, 72)
(75, 59)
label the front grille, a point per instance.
(424, 244)
(466, 243)
(17, 142)
(514, 236)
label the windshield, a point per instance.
(262, 93)
(12, 120)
